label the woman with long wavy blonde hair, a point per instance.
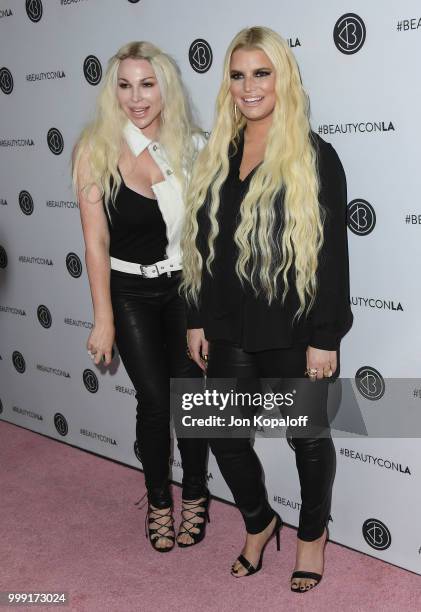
(129, 170)
(265, 271)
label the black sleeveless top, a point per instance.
(137, 228)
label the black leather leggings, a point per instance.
(238, 462)
(150, 325)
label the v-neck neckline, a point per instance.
(239, 159)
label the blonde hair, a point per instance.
(289, 166)
(102, 139)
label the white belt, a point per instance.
(150, 271)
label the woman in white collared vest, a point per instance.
(129, 169)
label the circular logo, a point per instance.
(376, 534)
(137, 451)
(26, 203)
(200, 55)
(61, 424)
(90, 381)
(3, 257)
(34, 10)
(6, 81)
(19, 362)
(370, 383)
(74, 265)
(92, 70)
(55, 141)
(44, 316)
(361, 217)
(349, 33)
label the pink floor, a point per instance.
(68, 523)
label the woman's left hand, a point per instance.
(325, 362)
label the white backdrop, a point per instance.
(360, 64)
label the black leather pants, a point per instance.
(315, 456)
(150, 323)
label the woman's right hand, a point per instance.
(198, 347)
(100, 342)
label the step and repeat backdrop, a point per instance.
(360, 64)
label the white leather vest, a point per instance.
(168, 192)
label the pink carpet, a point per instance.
(69, 523)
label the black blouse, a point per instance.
(232, 312)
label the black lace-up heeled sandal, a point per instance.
(194, 509)
(251, 569)
(163, 520)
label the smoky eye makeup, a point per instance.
(260, 72)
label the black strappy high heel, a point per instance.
(246, 563)
(194, 507)
(165, 529)
(309, 575)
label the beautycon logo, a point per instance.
(50, 75)
(92, 70)
(6, 81)
(19, 362)
(349, 33)
(381, 462)
(377, 303)
(45, 369)
(74, 265)
(26, 203)
(63, 204)
(44, 316)
(200, 55)
(90, 381)
(98, 436)
(34, 10)
(61, 424)
(376, 534)
(55, 141)
(370, 383)
(13, 310)
(361, 217)
(357, 127)
(28, 413)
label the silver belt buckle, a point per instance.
(143, 270)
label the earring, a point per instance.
(235, 113)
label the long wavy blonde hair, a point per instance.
(289, 166)
(102, 139)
